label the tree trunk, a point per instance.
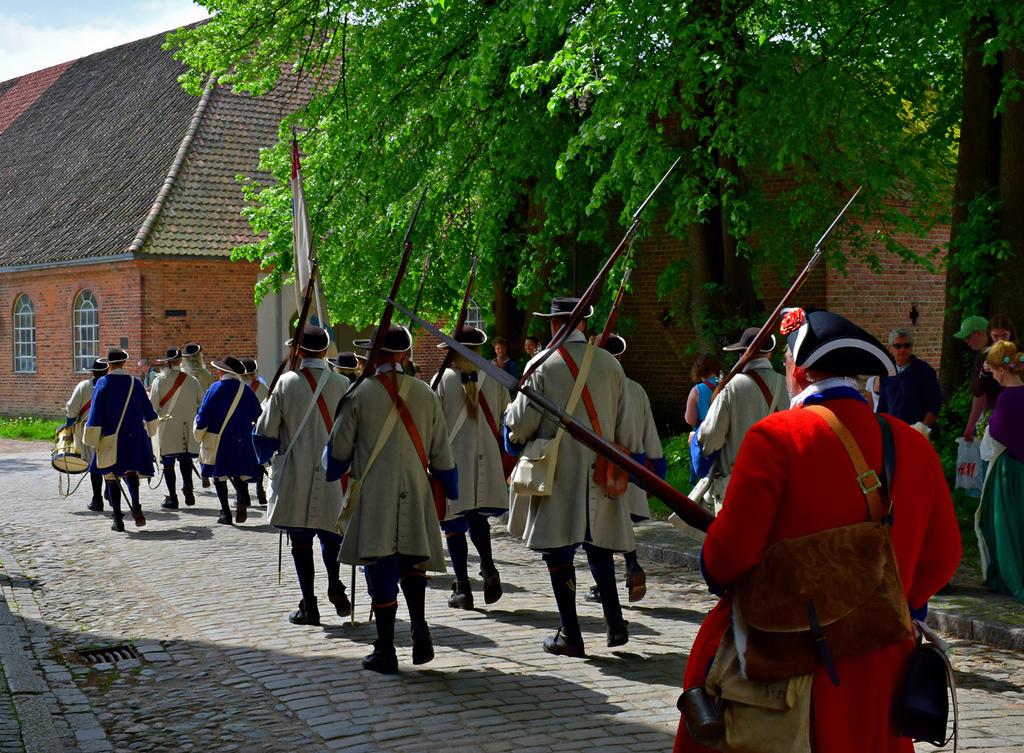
(977, 170)
(1006, 295)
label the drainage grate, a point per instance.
(107, 654)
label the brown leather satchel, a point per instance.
(830, 595)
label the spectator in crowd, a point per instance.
(1000, 519)
(984, 388)
(705, 374)
(532, 346)
(871, 389)
(913, 395)
(501, 357)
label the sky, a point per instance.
(36, 34)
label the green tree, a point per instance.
(541, 125)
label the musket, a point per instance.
(754, 349)
(613, 315)
(385, 319)
(587, 299)
(292, 358)
(449, 356)
(423, 279)
(678, 502)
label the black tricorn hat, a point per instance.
(748, 337)
(230, 364)
(563, 307)
(251, 367)
(345, 360)
(397, 340)
(99, 366)
(172, 354)
(824, 341)
(468, 335)
(192, 349)
(314, 339)
(114, 355)
(616, 345)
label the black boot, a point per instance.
(383, 659)
(242, 497)
(480, 535)
(133, 490)
(186, 481)
(261, 493)
(222, 496)
(462, 595)
(414, 587)
(593, 595)
(171, 500)
(335, 588)
(306, 614)
(636, 583)
(302, 556)
(97, 492)
(568, 641)
(114, 495)
(602, 567)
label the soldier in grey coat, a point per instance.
(639, 507)
(390, 431)
(473, 408)
(578, 511)
(77, 411)
(176, 397)
(292, 430)
(192, 363)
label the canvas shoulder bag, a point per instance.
(106, 448)
(534, 474)
(209, 442)
(831, 595)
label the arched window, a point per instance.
(85, 330)
(24, 336)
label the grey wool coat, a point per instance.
(394, 511)
(647, 430)
(174, 433)
(300, 495)
(576, 503)
(80, 397)
(474, 447)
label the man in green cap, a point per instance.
(974, 332)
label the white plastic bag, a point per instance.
(968, 465)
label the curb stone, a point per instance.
(687, 555)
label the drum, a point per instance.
(65, 458)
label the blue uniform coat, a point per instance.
(134, 448)
(235, 454)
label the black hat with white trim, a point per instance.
(230, 364)
(748, 337)
(192, 349)
(563, 307)
(616, 345)
(468, 335)
(397, 340)
(114, 356)
(99, 366)
(251, 367)
(346, 360)
(827, 342)
(172, 354)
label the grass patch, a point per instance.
(677, 455)
(28, 427)
(965, 507)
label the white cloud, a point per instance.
(26, 47)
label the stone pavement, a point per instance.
(220, 668)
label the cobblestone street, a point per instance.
(221, 668)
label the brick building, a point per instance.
(119, 212)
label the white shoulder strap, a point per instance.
(577, 391)
(309, 409)
(234, 404)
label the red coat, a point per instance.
(792, 478)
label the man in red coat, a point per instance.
(792, 478)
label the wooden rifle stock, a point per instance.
(613, 315)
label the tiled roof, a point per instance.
(87, 147)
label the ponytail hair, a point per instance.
(464, 366)
(1004, 355)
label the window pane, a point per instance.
(85, 330)
(24, 336)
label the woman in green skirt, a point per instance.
(1000, 518)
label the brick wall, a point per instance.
(133, 297)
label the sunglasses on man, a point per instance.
(902, 346)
